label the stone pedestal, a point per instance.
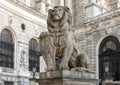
(22, 81)
(66, 77)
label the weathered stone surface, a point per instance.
(68, 81)
(67, 74)
(98, 29)
(113, 83)
(58, 46)
(66, 77)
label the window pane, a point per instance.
(34, 54)
(6, 49)
(109, 60)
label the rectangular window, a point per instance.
(9, 83)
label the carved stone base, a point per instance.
(66, 77)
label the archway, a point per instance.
(34, 55)
(109, 58)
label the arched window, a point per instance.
(109, 58)
(34, 54)
(6, 49)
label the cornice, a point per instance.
(28, 9)
(94, 4)
(32, 16)
(103, 17)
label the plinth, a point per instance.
(66, 77)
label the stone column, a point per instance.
(38, 6)
(118, 3)
(48, 5)
(28, 3)
(43, 7)
(79, 12)
(93, 9)
(68, 3)
(62, 2)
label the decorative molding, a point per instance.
(103, 17)
(28, 9)
(7, 70)
(33, 16)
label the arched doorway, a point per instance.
(109, 58)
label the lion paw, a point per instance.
(64, 67)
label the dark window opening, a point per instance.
(6, 50)
(8, 83)
(34, 55)
(109, 58)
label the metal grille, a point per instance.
(6, 49)
(109, 64)
(34, 60)
(34, 54)
(8, 83)
(6, 54)
(109, 58)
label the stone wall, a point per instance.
(94, 31)
(115, 83)
(79, 12)
(12, 16)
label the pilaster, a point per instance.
(79, 12)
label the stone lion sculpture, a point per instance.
(58, 47)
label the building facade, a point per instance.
(96, 25)
(20, 27)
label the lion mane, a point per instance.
(58, 46)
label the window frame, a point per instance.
(6, 49)
(34, 55)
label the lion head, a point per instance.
(60, 15)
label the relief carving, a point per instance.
(23, 60)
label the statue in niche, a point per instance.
(23, 53)
(23, 60)
(58, 46)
